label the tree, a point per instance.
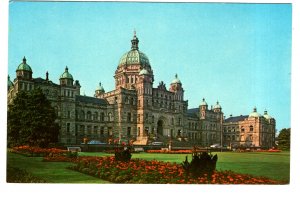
(284, 139)
(31, 120)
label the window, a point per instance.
(89, 129)
(251, 128)
(82, 115)
(242, 129)
(129, 117)
(110, 117)
(102, 131)
(139, 117)
(89, 115)
(102, 116)
(179, 121)
(95, 116)
(69, 114)
(128, 131)
(68, 127)
(152, 119)
(95, 129)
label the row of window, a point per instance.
(81, 115)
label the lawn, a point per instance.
(272, 165)
(51, 172)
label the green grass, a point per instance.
(272, 165)
(51, 172)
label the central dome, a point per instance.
(134, 56)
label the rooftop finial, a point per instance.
(24, 60)
(134, 42)
(66, 69)
(47, 76)
(176, 76)
(254, 110)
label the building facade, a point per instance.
(134, 110)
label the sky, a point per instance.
(237, 54)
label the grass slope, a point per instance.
(51, 172)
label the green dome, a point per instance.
(144, 72)
(134, 57)
(203, 102)
(267, 116)
(100, 88)
(66, 74)
(217, 106)
(24, 66)
(254, 114)
(176, 80)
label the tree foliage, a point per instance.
(31, 120)
(284, 139)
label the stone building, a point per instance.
(134, 110)
(253, 130)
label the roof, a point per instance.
(236, 118)
(91, 100)
(193, 112)
(176, 80)
(66, 74)
(24, 66)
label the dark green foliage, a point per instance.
(72, 154)
(16, 175)
(122, 154)
(284, 139)
(31, 120)
(202, 163)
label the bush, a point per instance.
(123, 154)
(202, 164)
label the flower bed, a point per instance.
(156, 172)
(37, 152)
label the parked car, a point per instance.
(95, 142)
(157, 143)
(215, 146)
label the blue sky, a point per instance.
(238, 54)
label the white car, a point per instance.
(215, 146)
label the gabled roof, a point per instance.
(91, 100)
(236, 118)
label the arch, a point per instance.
(160, 127)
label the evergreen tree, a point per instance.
(31, 120)
(284, 139)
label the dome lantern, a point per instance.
(134, 42)
(176, 80)
(254, 114)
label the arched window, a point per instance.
(110, 117)
(89, 115)
(131, 101)
(251, 128)
(95, 116)
(82, 115)
(102, 116)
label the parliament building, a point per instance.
(136, 110)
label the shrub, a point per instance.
(123, 154)
(202, 164)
